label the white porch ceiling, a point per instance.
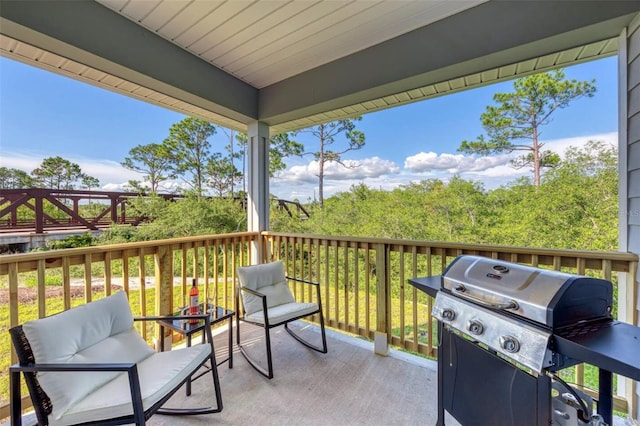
(264, 42)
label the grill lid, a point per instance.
(551, 298)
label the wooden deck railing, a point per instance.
(366, 290)
(363, 281)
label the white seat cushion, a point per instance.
(268, 279)
(158, 374)
(282, 313)
(98, 332)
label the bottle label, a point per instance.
(194, 301)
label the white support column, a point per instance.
(258, 188)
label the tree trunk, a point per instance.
(536, 159)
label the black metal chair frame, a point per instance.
(42, 404)
(268, 372)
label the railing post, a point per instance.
(383, 301)
(628, 312)
(163, 260)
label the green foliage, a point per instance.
(514, 124)
(188, 149)
(153, 161)
(14, 179)
(72, 241)
(222, 175)
(326, 135)
(282, 146)
(59, 173)
(574, 207)
(185, 217)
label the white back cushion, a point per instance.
(97, 332)
(267, 278)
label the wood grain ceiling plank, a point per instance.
(116, 5)
(364, 27)
(138, 10)
(548, 60)
(569, 55)
(213, 19)
(282, 36)
(7, 43)
(225, 29)
(222, 53)
(164, 13)
(180, 29)
(263, 30)
(593, 49)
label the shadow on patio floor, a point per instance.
(349, 385)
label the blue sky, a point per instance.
(43, 114)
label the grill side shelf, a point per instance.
(429, 285)
(615, 348)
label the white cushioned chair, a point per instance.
(268, 302)
(89, 365)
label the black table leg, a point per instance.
(189, 379)
(231, 342)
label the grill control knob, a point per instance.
(475, 327)
(448, 314)
(509, 344)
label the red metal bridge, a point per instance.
(38, 210)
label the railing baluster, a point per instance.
(42, 295)
(13, 301)
(402, 297)
(87, 278)
(125, 272)
(333, 261)
(66, 284)
(142, 289)
(107, 273)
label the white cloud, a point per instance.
(357, 169)
(493, 171)
(425, 162)
(560, 145)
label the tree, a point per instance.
(188, 148)
(153, 161)
(58, 173)
(89, 182)
(280, 146)
(222, 175)
(14, 179)
(326, 134)
(214, 164)
(514, 125)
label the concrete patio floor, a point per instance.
(349, 385)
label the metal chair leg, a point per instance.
(322, 349)
(268, 372)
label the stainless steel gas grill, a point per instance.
(504, 331)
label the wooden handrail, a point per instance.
(363, 280)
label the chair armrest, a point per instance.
(313, 283)
(255, 293)
(300, 280)
(88, 367)
(130, 368)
